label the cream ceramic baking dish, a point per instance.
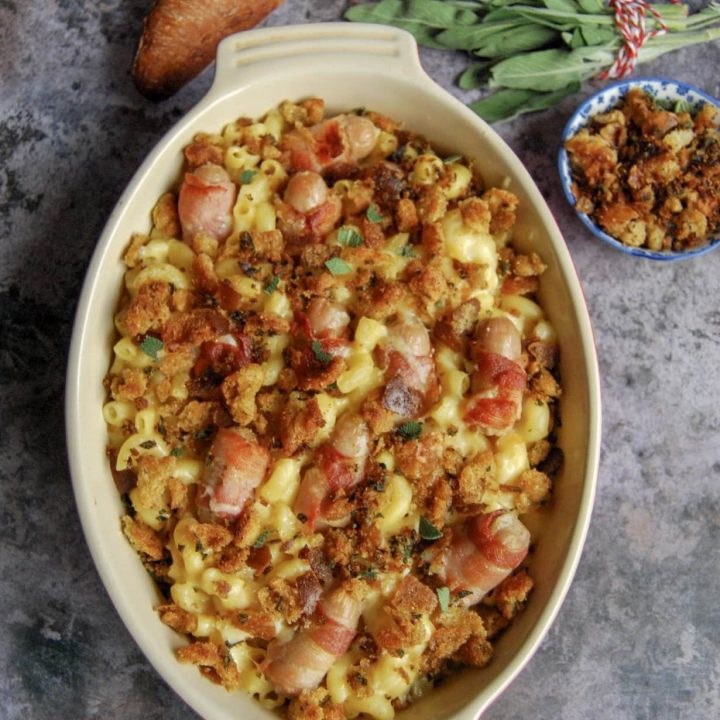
(349, 66)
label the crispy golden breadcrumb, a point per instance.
(165, 216)
(315, 705)
(649, 176)
(143, 538)
(512, 594)
(477, 478)
(178, 619)
(239, 391)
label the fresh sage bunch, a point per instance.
(533, 53)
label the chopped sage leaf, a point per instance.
(410, 430)
(262, 538)
(373, 214)
(427, 530)
(272, 286)
(443, 594)
(349, 237)
(337, 266)
(369, 573)
(320, 355)
(151, 346)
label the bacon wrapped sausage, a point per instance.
(206, 201)
(483, 552)
(237, 466)
(500, 380)
(303, 661)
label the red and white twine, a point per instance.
(630, 17)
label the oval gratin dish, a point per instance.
(350, 66)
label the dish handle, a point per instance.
(252, 54)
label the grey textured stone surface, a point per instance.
(639, 635)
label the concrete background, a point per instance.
(639, 634)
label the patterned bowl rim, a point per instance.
(579, 118)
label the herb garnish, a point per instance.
(272, 286)
(151, 346)
(373, 214)
(262, 538)
(535, 52)
(148, 444)
(427, 530)
(199, 548)
(443, 595)
(337, 266)
(246, 176)
(410, 430)
(177, 451)
(369, 573)
(349, 237)
(324, 358)
(407, 251)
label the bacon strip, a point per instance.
(499, 371)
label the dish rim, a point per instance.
(168, 667)
(579, 119)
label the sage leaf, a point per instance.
(151, 346)
(562, 5)
(337, 266)
(597, 35)
(427, 530)
(577, 39)
(560, 19)
(437, 13)
(543, 70)
(592, 6)
(507, 104)
(443, 595)
(537, 51)
(469, 38)
(474, 76)
(501, 105)
(519, 39)
(392, 12)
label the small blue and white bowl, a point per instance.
(605, 100)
